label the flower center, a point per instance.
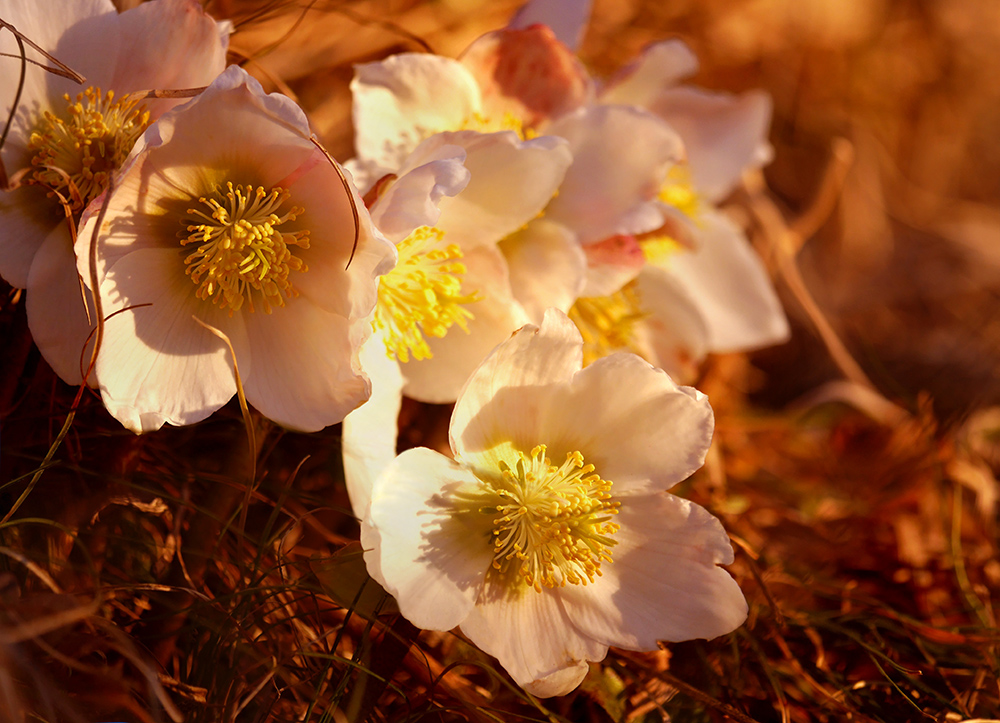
(508, 122)
(607, 323)
(551, 525)
(75, 153)
(678, 191)
(240, 250)
(422, 295)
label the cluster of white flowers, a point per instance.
(514, 236)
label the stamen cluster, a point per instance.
(607, 323)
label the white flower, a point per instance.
(66, 139)
(550, 536)
(227, 214)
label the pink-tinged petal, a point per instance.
(168, 44)
(724, 134)
(547, 266)
(528, 73)
(156, 363)
(508, 391)
(28, 219)
(630, 420)
(512, 181)
(620, 157)
(433, 559)
(566, 18)
(674, 330)
(533, 638)
(405, 98)
(660, 66)
(664, 583)
(728, 283)
(57, 315)
(306, 374)
(611, 264)
(370, 431)
(431, 173)
(455, 356)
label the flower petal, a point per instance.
(527, 73)
(427, 553)
(28, 219)
(57, 316)
(620, 157)
(665, 582)
(566, 18)
(611, 264)
(455, 356)
(511, 182)
(370, 431)
(547, 266)
(674, 331)
(156, 364)
(728, 284)
(533, 638)
(724, 134)
(662, 65)
(405, 98)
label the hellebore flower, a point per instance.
(65, 140)
(550, 536)
(227, 215)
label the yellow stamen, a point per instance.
(422, 296)
(240, 249)
(75, 153)
(509, 122)
(657, 249)
(678, 191)
(551, 526)
(607, 323)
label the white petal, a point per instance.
(57, 316)
(567, 18)
(433, 560)
(156, 364)
(527, 74)
(665, 582)
(728, 283)
(533, 638)
(674, 330)
(306, 374)
(405, 98)
(611, 264)
(412, 199)
(724, 134)
(370, 431)
(661, 66)
(620, 157)
(548, 268)
(631, 421)
(168, 44)
(512, 181)
(503, 398)
(28, 219)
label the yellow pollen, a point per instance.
(74, 153)
(509, 122)
(657, 249)
(607, 323)
(422, 296)
(240, 249)
(678, 191)
(551, 526)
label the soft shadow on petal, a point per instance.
(456, 355)
(631, 421)
(57, 316)
(504, 397)
(532, 637)
(405, 98)
(28, 219)
(370, 431)
(724, 134)
(662, 65)
(727, 281)
(433, 558)
(621, 156)
(674, 331)
(306, 373)
(548, 268)
(156, 363)
(665, 582)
